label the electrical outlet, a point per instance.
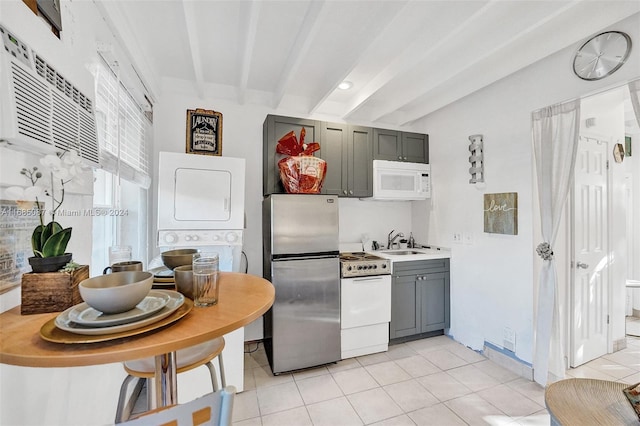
(509, 339)
(457, 237)
(467, 237)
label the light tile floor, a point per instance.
(433, 381)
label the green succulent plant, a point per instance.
(50, 240)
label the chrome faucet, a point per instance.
(391, 240)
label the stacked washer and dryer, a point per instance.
(201, 206)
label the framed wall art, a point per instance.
(501, 213)
(627, 146)
(204, 132)
(17, 221)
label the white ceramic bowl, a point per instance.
(116, 292)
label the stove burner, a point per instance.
(361, 264)
(349, 258)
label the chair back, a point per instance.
(213, 409)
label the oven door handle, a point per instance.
(376, 278)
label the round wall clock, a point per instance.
(602, 55)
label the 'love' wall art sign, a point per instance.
(501, 213)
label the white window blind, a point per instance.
(121, 129)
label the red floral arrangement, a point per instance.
(300, 171)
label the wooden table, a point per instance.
(243, 298)
(589, 402)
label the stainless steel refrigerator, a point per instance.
(300, 248)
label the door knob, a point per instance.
(581, 265)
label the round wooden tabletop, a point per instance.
(243, 298)
(589, 402)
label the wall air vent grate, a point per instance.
(32, 105)
(56, 80)
(44, 109)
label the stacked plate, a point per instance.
(163, 277)
(83, 319)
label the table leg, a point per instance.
(165, 380)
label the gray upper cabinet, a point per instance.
(415, 147)
(387, 144)
(360, 161)
(348, 151)
(400, 146)
(274, 128)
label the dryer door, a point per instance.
(202, 195)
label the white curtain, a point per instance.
(555, 132)
(634, 92)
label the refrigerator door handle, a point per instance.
(308, 257)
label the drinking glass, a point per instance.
(119, 254)
(205, 279)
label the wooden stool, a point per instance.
(187, 359)
(588, 402)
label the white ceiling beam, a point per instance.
(310, 26)
(407, 98)
(247, 53)
(191, 25)
(407, 60)
(384, 33)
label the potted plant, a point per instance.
(49, 240)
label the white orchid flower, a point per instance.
(25, 194)
(56, 166)
(73, 162)
(51, 161)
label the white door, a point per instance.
(589, 293)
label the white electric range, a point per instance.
(365, 303)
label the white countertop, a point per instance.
(420, 254)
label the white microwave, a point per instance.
(397, 180)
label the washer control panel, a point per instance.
(199, 237)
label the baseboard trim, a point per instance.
(508, 360)
(619, 344)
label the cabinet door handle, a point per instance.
(344, 192)
(351, 192)
(405, 158)
(400, 157)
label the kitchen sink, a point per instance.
(401, 252)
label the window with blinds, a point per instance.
(121, 186)
(121, 129)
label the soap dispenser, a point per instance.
(412, 242)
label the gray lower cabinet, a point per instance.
(393, 145)
(348, 151)
(419, 297)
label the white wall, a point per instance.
(492, 279)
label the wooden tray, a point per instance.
(51, 333)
